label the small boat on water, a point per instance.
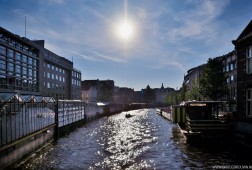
(128, 115)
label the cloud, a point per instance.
(172, 65)
(96, 56)
(198, 22)
(52, 2)
(114, 59)
(85, 56)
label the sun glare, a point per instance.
(125, 30)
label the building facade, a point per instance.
(192, 76)
(123, 95)
(26, 67)
(243, 47)
(19, 64)
(89, 90)
(97, 90)
(76, 84)
(229, 62)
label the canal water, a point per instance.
(144, 141)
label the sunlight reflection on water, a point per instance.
(143, 141)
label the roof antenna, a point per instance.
(25, 26)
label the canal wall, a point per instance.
(17, 150)
(37, 122)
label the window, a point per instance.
(48, 75)
(249, 59)
(53, 76)
(10, 53)
(2, 65)
(30, 60)
(52, 67)
(11, 67)
(2, 50)
(48, 85)
(24, 59)
(249, 51)
(228, 80)
(34, 62)
(35, 74)
(232, 78)
(30, 72)
(18, 69)
(227, 68)
(224, 69)
(18, 56)
(24, 71)
(48, 65)
(249, 102)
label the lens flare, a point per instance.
(125, 30)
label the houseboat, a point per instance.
(207, 120)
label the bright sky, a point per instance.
(159, 42)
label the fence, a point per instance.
(23, 115)
(70, 111)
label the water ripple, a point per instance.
(144, 141)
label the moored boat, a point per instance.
(207, 120)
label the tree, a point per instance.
(212, 82)
(183, 92)
(194, 93)
(173, 99)
(170, 99)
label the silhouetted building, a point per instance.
(162, 93)
(123, 95)
(243, 47)
(97, 90)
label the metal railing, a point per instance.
(70, 111)
(21, 118)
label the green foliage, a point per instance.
(183, 92)
(212, 83)
(194, 93)
(173, 99)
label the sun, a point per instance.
(125, 30)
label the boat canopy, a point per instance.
(202, 103)
(7, 97)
